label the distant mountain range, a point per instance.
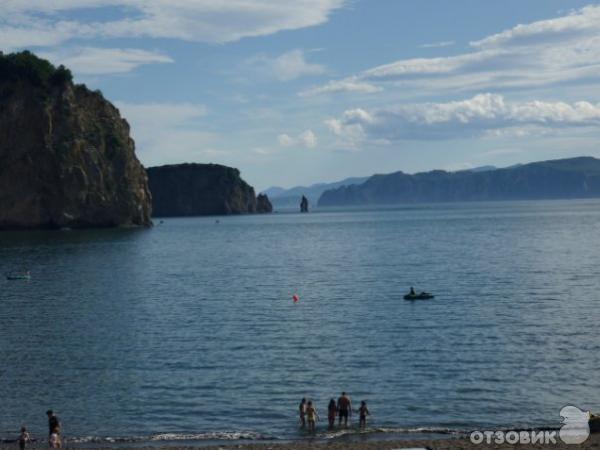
(557, 179)
(290, 198)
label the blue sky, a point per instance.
(318, 90)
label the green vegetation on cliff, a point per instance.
(25, 66)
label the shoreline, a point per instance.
(460, 443)
(350, 442)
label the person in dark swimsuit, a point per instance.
(344, 408)
(302, 411)
(331, 413)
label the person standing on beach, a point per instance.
(312, 416)
(24, 438)
(364, 412)
(53, 423)
(331, 412)
(302, 411)
(344, 407)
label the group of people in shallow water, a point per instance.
(342, 409)
(54, 440)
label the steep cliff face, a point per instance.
(66, 157)
(202, 189)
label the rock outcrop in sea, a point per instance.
(66, 157)
(202, 189)
(304, 204)
(263, 204)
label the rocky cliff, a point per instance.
(558, 179)
(202, 189)
(66, 157)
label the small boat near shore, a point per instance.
(18, 276)
(421, 296)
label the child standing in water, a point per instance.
(364, 412)
(24, 438)
(331, 412)
(311, 416)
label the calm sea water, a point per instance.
(188, 330)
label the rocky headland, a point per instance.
(202, 189)
(66, 157)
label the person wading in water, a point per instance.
(53, 423)
(312, 416)
(302, 411)
(331, 412)
(344, 407)
(364, 412)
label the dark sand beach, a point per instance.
(439, 444)
(593, 442)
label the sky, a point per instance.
(306, 91)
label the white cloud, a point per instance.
(285, 140)
(561, 50)
(169, 132)
(286, 67)
(346, 85)
(99, 61)
(437, 44)
(480, 115)
(25, 23)
(571, 26)
(306, 139)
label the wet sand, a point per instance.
(593, 442)
(440, 444)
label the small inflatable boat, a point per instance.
(421, 296)
(18, 276)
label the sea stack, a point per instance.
(66, 157)
(304, 204)
(202, 189)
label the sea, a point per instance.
(188, 331)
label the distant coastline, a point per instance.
(557, 179)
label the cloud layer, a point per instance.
(26, 23)
(91, 60)
(476, 116)
(561, 50)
